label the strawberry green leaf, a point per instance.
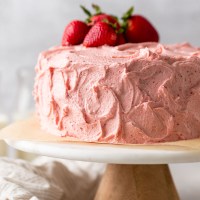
(97, 9)
(128, 13)
(86, 11)
(110, 23)
(121, 30)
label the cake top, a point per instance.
(60, 57)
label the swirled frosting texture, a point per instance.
(133, 93)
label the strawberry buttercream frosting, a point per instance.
(133, 93)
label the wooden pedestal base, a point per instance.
(137, 182)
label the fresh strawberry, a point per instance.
(74, 33)
(100, 17)
(104, 18)
(139, 29)
(120, 39)
(100, 34)
(103, 29)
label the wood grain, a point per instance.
(137, 182)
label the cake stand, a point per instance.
(134, 172)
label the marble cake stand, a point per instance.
(134, 172)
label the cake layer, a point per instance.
(133, 93)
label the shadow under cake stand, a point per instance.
(134, 172)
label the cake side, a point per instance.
(133, 93)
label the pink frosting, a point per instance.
(133, 93)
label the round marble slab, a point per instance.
(26, 135)
(107, 153)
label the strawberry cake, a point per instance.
(114, 82)
(132, 93)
